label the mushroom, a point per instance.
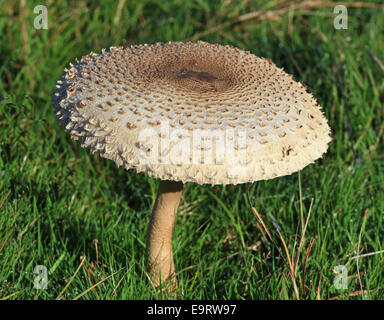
(189, 112)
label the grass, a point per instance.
(85, 220)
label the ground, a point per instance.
(84, 220)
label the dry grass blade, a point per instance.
(70, 280)
(354, 4)
(186, 208)
(262, 223)
(95, 242)
(311, 242)
(290, 265)
(12, 294)
(319, 286)
(368, 254)
(377, 60)
(354, 293)
(91, 278)
(118, 284)
(5, 241)
(358, 251)
(302, 239)
(117, 17)
(301, 203)
(350, 294)
(5, 198)
(258, 216)
(95, 285)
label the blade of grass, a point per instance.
(5, 198)
(95, 285)
(11, 295)
(118, 284)
(6, 239)
(319, 286)
(291, 267)
(70, 280)
(358, 251)
(311, 242)
(302, 239)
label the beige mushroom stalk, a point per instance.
(160, 230)
(190, 112)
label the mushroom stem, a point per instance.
(159, 237)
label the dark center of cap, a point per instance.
(201, 76)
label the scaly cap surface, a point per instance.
(196, 112)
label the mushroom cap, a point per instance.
(198, 112)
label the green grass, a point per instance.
(57, 198)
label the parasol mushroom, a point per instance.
(189, 112)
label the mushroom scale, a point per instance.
(198, 112)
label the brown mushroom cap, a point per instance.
(196, 112)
